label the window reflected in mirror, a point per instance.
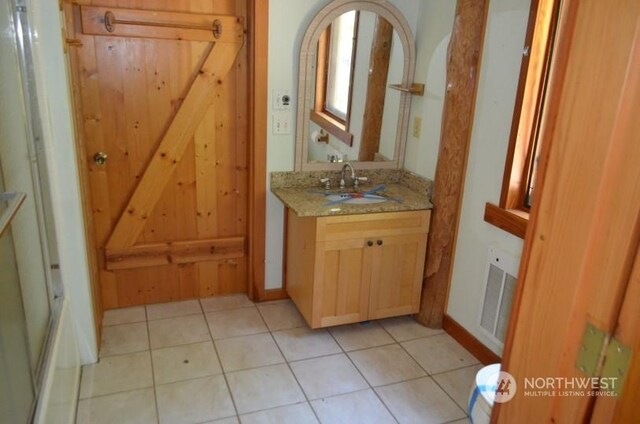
(358, 55)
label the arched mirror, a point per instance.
(353, 58)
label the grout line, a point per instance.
(117, 393)
(431, 375)
(286, 361)
(224, 374)
(153, 375)
(450, 397)
(345, 353)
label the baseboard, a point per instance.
(466, 339)
(273, 294)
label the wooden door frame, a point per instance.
(257, 25)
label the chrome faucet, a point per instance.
(353, 174)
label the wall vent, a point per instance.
(500, 286)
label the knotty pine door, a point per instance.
(161, 111)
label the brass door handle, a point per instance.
(100, 158)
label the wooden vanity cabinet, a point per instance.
(350, 268)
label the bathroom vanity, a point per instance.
(349, 262)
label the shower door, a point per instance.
(17, 390)
(29, 300)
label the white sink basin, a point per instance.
(356, 200)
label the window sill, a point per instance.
(512, 221)
(332, 126)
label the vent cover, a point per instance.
(498, 294)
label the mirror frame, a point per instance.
(306, 80)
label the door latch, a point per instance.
(100, 158)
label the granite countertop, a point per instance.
(302, 192)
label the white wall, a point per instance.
(499, 73)
(287, 23)
(54, 95)
(432, 40)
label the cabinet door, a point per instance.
(396, 275)
(341, 292)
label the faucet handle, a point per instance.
(326, 182)
(356, 181)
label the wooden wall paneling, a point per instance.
(463, 69)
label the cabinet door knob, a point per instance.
(379, 242)
(369, 243)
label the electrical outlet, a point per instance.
(417, 127)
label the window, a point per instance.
(334, 79)
(512, 213)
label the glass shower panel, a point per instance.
(18, 160)
(17, 391)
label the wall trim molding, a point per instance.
(469, 342)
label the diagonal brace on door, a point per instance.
(217, 62)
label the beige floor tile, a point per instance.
(281, 315)
(221, 303)
(303, 343)
(194, 401)
(419, 401)
(173, 309)
(439, 353)
(458, 383)
(357, 407)
(124, 338)
(230, 420)
(185, 362)
(124, 316)
(406, 328)
(361, 336)
(134, 407)
(328, 376)
(386, 364)
(257, 350)
(178, 331)
(235, 322)
(300, 413)
(263, 388)
(116, 374)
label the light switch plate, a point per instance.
(281, 123)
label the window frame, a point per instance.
(512, 213)
(331, 123)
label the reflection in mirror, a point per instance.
(353, 114)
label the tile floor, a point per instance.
(227, 360)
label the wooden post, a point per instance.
(463, 68)
(376, 89)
